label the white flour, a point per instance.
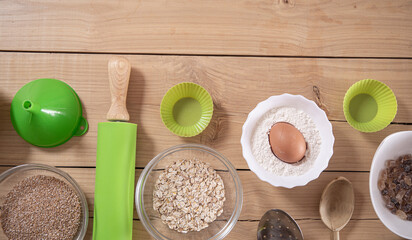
(261, 149)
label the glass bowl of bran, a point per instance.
(10, 179)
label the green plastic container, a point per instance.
(186, 109)
(369, 105)
(47, 113)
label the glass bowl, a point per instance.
(219, 228)
(13, 176)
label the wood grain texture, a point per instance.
(361, 28)
(312, 230)
(236, 86)
(301, 203)
(258, 196)
(323, 47)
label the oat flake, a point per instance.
(189, 195)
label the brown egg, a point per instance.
(287, 142)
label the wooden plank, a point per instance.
(315, 229)
(236, 84)
(312, 230)
(360, 28)
(258, 196)
(301, 202)
(235, 92)
(353, 150)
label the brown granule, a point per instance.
(395, 184)
(41, 207)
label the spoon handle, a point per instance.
(335, 235)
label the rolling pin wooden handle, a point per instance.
(119, 75)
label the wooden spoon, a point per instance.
(337, 204)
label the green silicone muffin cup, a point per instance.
(369, 105)
(186, 109)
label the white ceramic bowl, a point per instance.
(392, 147)
(322, 124)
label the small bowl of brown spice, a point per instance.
(390, 183)
(41, 202)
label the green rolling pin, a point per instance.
(115, 162)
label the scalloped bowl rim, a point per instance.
(322, 123)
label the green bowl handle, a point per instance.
(83, 127)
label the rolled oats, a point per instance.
(189, 195)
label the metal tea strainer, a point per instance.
(276, 224)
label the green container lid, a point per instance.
(47, 113)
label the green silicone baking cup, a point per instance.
(369, 105)
(186, 109)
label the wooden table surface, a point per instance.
(242, 52)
